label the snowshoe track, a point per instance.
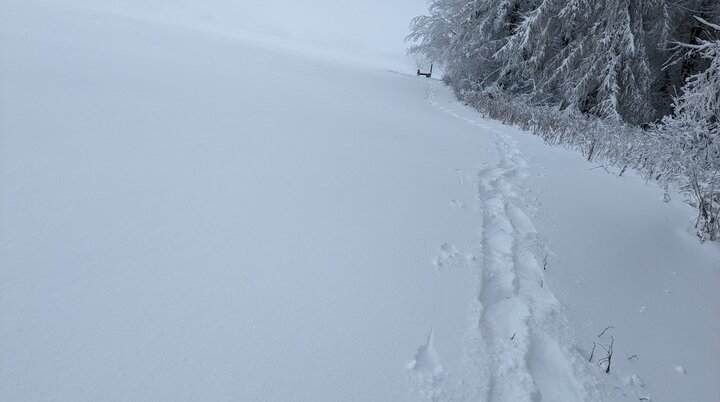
(520, 341)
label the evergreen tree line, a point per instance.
(634, 83)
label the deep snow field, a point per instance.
(186, 215)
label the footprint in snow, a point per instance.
(449, 255)
(426, 374)
(426, 359)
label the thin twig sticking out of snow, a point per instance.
(605, 330)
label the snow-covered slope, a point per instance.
(187, 216)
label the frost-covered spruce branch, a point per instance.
(691, 137)
(597, 76)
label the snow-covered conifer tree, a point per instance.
(692, 134)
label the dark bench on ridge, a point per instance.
(427, 75)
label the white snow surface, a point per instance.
(191, 216)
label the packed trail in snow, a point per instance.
(518, 339)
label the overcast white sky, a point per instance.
(369, 24)
(364, 26)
